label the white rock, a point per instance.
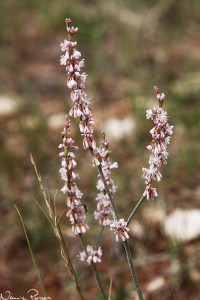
(183, 225)
(8, 105)
(31, 122)
(137, 229)
(155, 284)
(153, 215)
(117, 129)
(56, 121)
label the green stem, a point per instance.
(100, 236)
(135, 209)
(132, 269)
(98, 279)
(31, 253)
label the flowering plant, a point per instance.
(106, 212)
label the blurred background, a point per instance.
(129, 46)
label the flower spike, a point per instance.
(161, 134)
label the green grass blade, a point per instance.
(110, 290)
(32, 255)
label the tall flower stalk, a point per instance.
(77, 211)
(161, 135)
(104, 212)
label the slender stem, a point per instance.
(98, 279)
(132, 269)
(31, 253)
(135, 209)
(82, 242)
(100, 236)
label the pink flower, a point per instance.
(71, 83)
(79, 228)
(91, 255)
(120, 229)
(161, 97)
(104, 213)
(64, 45)
(149, 114)
(150, 192)
(64, 58)
(82, 256)
(161, 135)
(152, 173)
(72, 30)
(64, 190)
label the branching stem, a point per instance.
(135, 209)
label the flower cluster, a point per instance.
(76, 82)
(81, 109)
(161, 134)
(120, 229)
(104, 212)
(91, 255)
(76, 212)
